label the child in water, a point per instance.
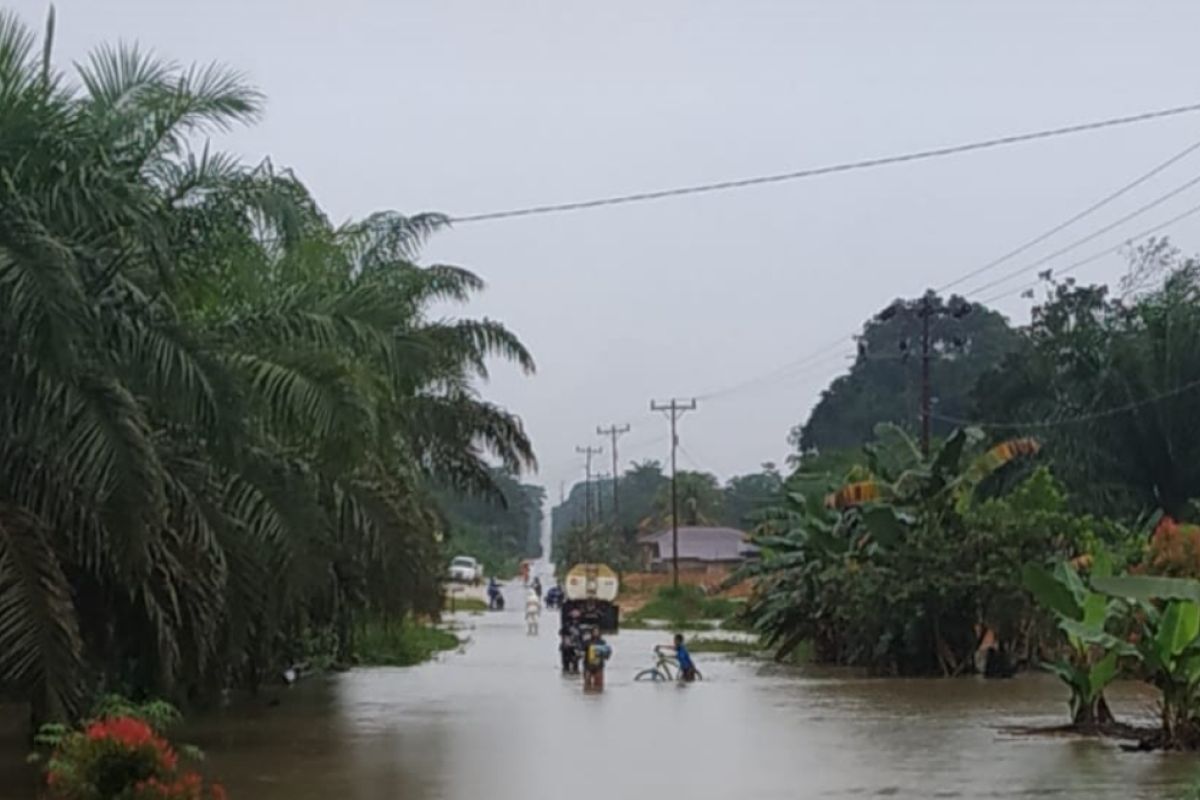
(687, 668)
(595, 653)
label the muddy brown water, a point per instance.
(497, 721)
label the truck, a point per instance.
(465, 569)
(591, 589)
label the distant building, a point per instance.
(710, 549)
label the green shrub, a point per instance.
(686, 604)
(400, 643)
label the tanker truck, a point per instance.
(591, 589)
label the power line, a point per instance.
(817, 354)
(1111, 412)
(1094, 207)
(812, 359)
(919, 155)
(1137, 212)
(1097, 256)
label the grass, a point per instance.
(725, 647)
(634, 622)
(684, 608)
(400, 644)
(464, 604)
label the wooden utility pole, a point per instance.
(674, 410)
(926, 383)
(600, 477)
(926, 311)
(614, 431)
(587, 453)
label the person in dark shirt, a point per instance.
(569, 645)
(687, 667)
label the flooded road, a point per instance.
(497, 721)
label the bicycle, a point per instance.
(666, 668)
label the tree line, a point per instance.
(225, 420)
(1040, 526)
(644, 506)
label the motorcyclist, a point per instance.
(554, 596)
(493, 592)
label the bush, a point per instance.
(384, 643)
(685, 604)
(122, 757)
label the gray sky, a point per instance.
(465, 106)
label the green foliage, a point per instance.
(733, 647)
(645, 506)
(903, 585)
(158, 714)
(500, 528)
(1084, 617)
(1087, 353)
(467, 604)
(1165, 617)
(883, 385)
(382, 643)
(686, 604)
(220, 413)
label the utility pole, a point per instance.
(587, 453)
(674, 410)
(926, 311)
(926, 383)
(614, 431)
(600, 477)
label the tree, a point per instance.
(498, 530)
(883, 384)
(900, 569)
(1107, 383)
(747, 494)
(219, 413)
(698, 498)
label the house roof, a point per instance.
(702, 544)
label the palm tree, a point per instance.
(221, 413)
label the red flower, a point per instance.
(127, 730)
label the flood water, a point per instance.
(497, 721)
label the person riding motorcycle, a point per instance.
(495, 598)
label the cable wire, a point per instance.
(1137, 212)
(1097, 256)
(1111, 412)
(815, 356)
(740, 183)
(1072, 220)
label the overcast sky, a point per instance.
(466, 106)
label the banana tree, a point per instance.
(1167, 613)
(914, 508)
(1093, 654)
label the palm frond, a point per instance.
(41, 650)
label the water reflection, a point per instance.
(498, 721)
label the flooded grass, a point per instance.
(683, 608)
(400, 644)
(469, 604)
(743, 648)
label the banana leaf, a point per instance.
(1050, 592)
(1148, 587)
(1178, 629)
